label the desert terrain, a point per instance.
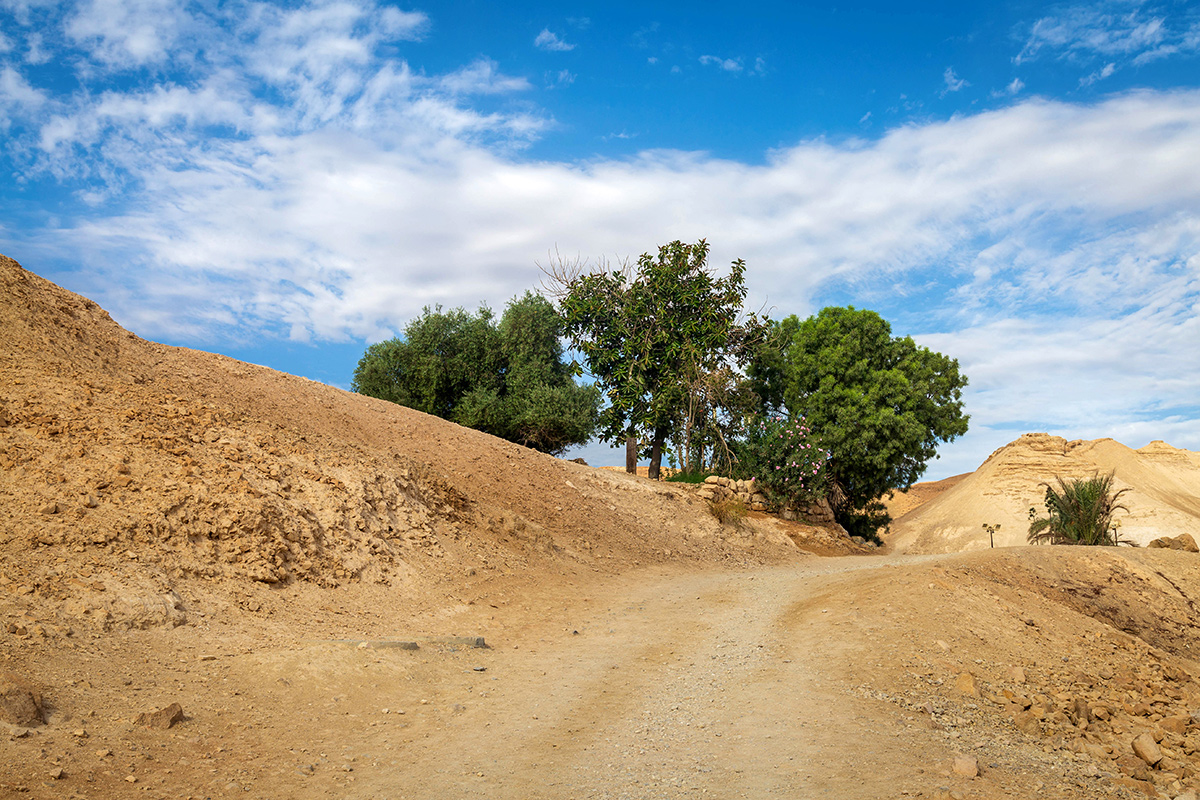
(346, 598)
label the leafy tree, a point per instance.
(880, 404)
(508, 380)
(786, 462)
(1079, 511)
(648, 334)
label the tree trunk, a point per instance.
(656, 448)
(631, 455)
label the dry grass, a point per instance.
(728, 511)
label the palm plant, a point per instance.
(1079, 511)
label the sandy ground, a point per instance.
(177, 527)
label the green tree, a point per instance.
(880, 405)
(508, 380)
(650, 333)
(1079, 511)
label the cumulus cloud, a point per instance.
(302, 182)
(546, 40)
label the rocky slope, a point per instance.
(1163, 497)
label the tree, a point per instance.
(508, 380)
(880, 404)
(650, 333)
(1079, 511)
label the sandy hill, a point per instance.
(1163, 497)
(306, 573)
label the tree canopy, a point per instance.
(508, 380)
(880, 404)
(648, 334)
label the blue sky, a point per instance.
(1014, 184)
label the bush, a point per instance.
(728, 511)
(785, 459)
(1079, 511)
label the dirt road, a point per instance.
(694, 685)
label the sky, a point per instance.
(1013, 184)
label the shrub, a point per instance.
(1079, 511)
(785, 459)
(728, 511)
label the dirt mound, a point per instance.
(128, 466)
(1163, 497)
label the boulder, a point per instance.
(20, 704)
(1183, 541)
(1145, 748)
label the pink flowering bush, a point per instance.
(784, 458)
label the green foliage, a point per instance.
(785, 459)
(648, 334)
(508, 379)
(1079, 511)
(880, 404)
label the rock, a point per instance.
(1027, 722)
(49, 508)
(1016, 675)
(579, 461)
(162, 719)
(1145, 748)
(966, 766)
(1175, 724)
(1081, 710)
(1183, 541)
(19, 703)
(57, 773)
(1133, 766)
(713, 480)
(965, 684)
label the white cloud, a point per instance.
(1013, 88)
(561, 78)
(127, 33)
(550, 41)
(953, 83)
(1111, 31)
(727, 64)
(1104, 72)
(482, 77)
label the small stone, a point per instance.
(79, 733)
(49, 508)
(103, 753)
(57, 773)
(1145, 748)
(1016, 675)
(130, 779)
(162, 719)
(967, 766)
(965, 684)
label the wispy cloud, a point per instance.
(952, 82)
(1114, 33)
(546, 40)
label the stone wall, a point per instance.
(716, 488)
